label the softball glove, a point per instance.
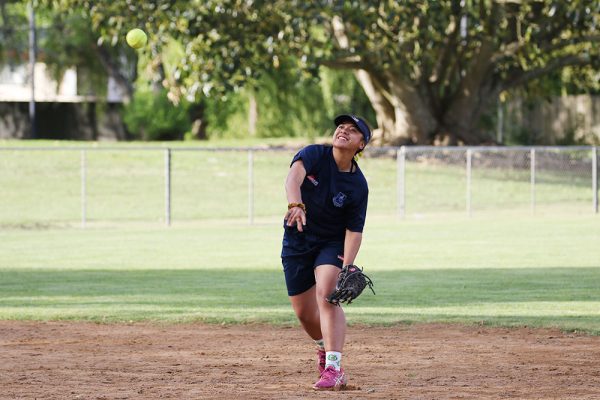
(350, 284)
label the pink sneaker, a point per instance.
(331, 380)
(321, 361)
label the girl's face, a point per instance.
(347, 136)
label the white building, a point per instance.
(15, 86)
(61, 112)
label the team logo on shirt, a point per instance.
(338, 199)
(312, 179)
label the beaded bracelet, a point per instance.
(301, 205)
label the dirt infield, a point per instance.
(62, 360)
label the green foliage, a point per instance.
(64, 40)
(290, 102)
(227, 117)
(230, 43)
(14, 42)
(151, 116)
(343, 93)
(67, 41)
(444, 62)
(518, 136)
(289, 106)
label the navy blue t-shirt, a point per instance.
(335, 201)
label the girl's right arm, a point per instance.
(295, 177)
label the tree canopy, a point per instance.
(430, 69)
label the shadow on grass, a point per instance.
(451, 295)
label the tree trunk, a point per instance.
(402, 115)
(384, 111)
(252, 114)
(473, 96)
(407, 114)
(461, 118)
(410, 104)
(393, 121)
(196, 112)
(112, 69)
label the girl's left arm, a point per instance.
(352, 243)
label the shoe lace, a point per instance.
(329, 372)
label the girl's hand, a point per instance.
(296, 215)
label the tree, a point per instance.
(13, 31)
(64, 40)
(430, 69)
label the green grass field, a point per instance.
(503, 266)
(498, 270)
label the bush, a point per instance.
(289, 106)
(151, 116)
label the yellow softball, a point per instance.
(136, 38)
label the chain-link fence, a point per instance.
(498, 178)
(165, 185)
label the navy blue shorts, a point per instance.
(301, 253)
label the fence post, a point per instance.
(250, 186)
(469, 164)
(401, 183)
(500, 123)
(532, 179)
(595, 178)
(168, 187)
(83, 188)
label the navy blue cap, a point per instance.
(359, 122)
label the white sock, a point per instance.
(320, 344)
(334, 359)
